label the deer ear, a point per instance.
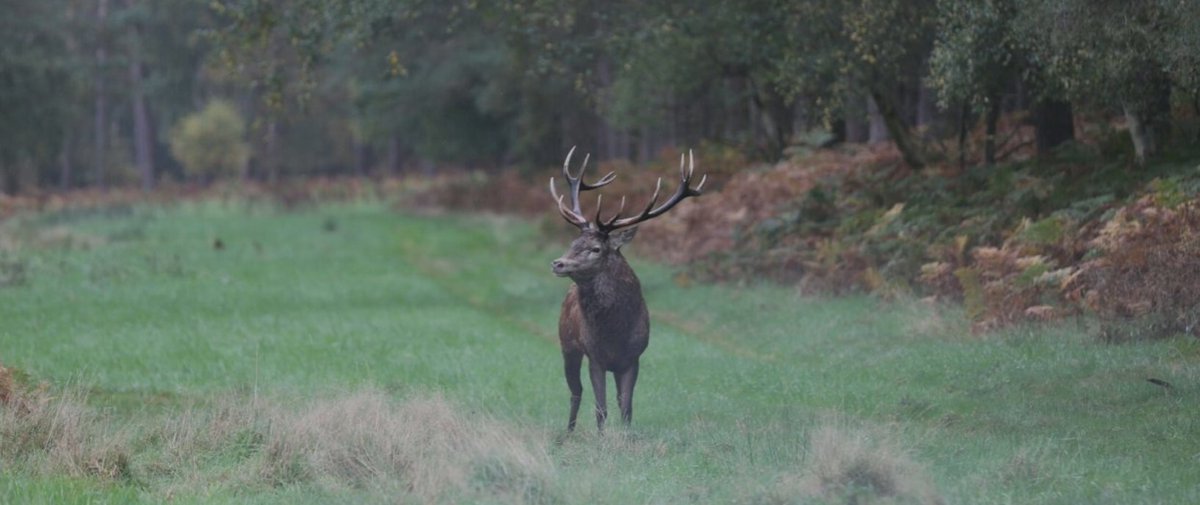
(622, 237)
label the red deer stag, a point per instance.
(604, 316)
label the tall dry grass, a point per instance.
(60, 435)
(856, 465)
(422, 449)
(424, 445)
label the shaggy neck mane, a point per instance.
(605, 289)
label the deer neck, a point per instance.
(614, 286)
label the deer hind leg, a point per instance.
(597, 372)
(572, 362)
(625, 382)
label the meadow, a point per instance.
(229, 352)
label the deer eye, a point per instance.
(596, 249)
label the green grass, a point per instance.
(142, 313)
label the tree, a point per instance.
(34, 76)
(836, 52)
(1107, 53)
(210, 143)
(975, 58)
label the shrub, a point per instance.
(210, 143)
(1146, 283)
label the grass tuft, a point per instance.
(61, 435)
(856, 465)
(424, 445)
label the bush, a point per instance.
(211, 143)
(1146, 284)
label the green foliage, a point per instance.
(34, 78)
(211, 143)
(975, 55)
(1044, 232)
(974, 301)
(1100, 50)
(451, 104)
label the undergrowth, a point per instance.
(1029, 240)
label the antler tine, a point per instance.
(654, 197)
(685, 190)
(567, 214)
(576, 183)
(567, 162)
(691, 168)
(584, 186)
(601, 223)
(603, 181)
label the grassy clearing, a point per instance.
(352, 354)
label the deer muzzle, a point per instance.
(562, 267)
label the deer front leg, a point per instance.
(597, 373)
(571, 367)
(625, 382)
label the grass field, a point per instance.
(353, 354)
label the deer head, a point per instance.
(600, 240)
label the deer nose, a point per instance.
(557, 264)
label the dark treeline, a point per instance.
(134, 92)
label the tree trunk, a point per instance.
(360, 158)
(143, 137)
(878, 130)
(899, 132)
(963, 113)
(645, 145)
(855, 126)
(10, 178)
(272, 152)
(927, 111)
(64, 160)
(775, 114)
(1148, 115)
(1053, 124)
(393, 155)
(989, 139)
(1143, 135)
(101, 104)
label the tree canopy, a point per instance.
(92, 89)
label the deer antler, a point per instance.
(650, 212)
(574, 214)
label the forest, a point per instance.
(137, 93)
